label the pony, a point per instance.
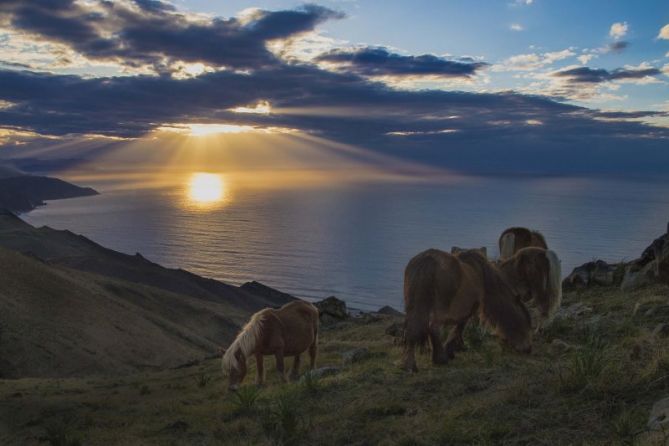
(441, 288)
(288, 331)
(514, 239)
(534, 274)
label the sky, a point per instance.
(470, 86)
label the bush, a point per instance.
(203, 380)
(245, 399)
(282, 422)
(60, 434)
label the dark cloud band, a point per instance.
(379, 61)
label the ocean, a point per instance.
(353, 239)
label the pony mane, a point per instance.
(507, 244)
(554, 283)
(245, 341)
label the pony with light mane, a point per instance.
(440, 289)
(535, 275)
(288, 331)
(514, 239)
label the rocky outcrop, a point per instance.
(659, 415)
(332, 310)
(355, 355)
(651, 267)
(390, 311)
(597, 273)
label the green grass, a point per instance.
(597, 392)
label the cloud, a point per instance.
(664, 32)
(533, 61)
(209, 71)
(618, 47)
(618, 30)
(597, 75)
(152, 33)
(516, 27)
(585, 58)
(379, 61)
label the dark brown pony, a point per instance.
(440, 289)
(514, 239)
(288, 331)
(535, 275)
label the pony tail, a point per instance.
(554, 283)
(507, 244)
(419, 298)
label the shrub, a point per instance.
(282, 422)
(60, 434)
(245, 399)
(203, 380)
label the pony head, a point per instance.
(539, 277)
(519, 335)
(234, 366)
(234, 358)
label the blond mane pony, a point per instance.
(245, 341)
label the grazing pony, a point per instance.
(535, 275)
(287, 331)
(440, 289)
(514, 239)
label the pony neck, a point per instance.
(246, 341)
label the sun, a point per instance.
(206, 188)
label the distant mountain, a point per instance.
(70, 307)
(25, 192)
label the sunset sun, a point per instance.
(206, 188)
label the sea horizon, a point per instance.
(353, 239)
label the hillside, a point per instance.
(70, 307)
(59, 322)
(25, 192)
(591, 379)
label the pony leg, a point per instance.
(295, 372)
(313, 352)
(279, 366)
(409, 360)
(455, 341)
(260, 370)
(438, 354)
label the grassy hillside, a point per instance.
(591, 379)
(59, 322)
